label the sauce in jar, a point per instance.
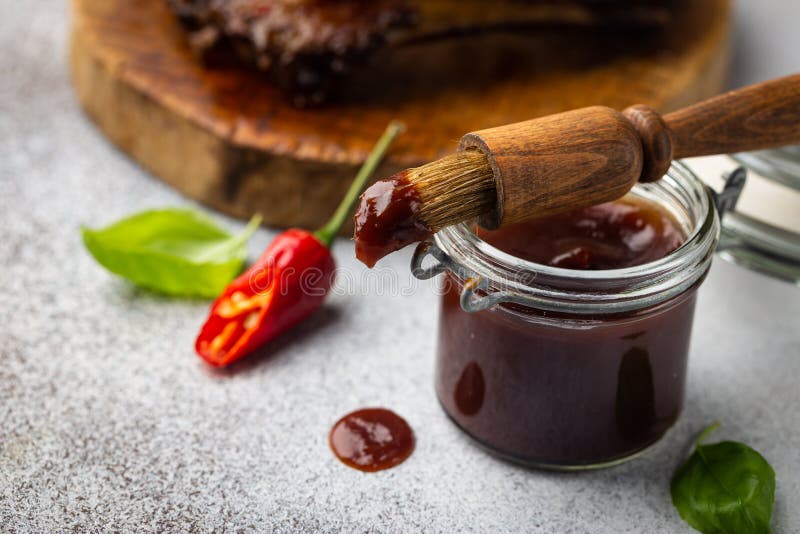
(613, 235)
(568, 390)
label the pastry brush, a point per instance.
(557, 163)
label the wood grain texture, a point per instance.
(226, 137)
(564, 161)
(764, 115)
(656, 141)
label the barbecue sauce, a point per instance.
(555, 389)
(386, 219)
(613, 235)
(371, 439)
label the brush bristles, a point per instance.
(454, 189)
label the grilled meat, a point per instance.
(305, 45)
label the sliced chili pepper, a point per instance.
(288, 282)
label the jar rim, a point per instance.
(503, 277)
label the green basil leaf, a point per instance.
(179, 252)
(725, 488)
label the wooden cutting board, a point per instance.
(226, 137)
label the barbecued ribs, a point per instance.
(305, 45)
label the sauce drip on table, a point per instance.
(613, 235)
(386, 219)
(372, 439)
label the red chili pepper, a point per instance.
(288, 282)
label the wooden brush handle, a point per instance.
(759, 116)
(593, 155)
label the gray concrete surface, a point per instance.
(108, 421)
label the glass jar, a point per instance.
(570, 369)
(751, 241)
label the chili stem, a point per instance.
(327, 233)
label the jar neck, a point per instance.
(491, 276)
